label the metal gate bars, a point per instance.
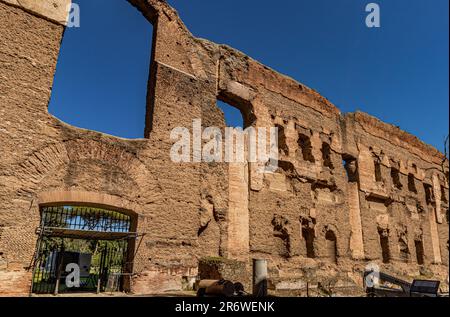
(81, 249)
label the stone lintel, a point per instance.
(54, 10)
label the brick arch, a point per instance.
(111, 154)
(331, 227)
(93, 199)
(42, 163)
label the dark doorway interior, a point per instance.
(419, 252)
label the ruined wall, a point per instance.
(28, 53)
(325, 208)
(44, 157)
(403, 188)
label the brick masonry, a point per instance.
(314, 212)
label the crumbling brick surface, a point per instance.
(315, 211)
(215, 268)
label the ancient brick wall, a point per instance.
(348, 186)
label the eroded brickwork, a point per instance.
(350, 189)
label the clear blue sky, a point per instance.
(398, 73)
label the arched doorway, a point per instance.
(83, 249)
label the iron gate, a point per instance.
(96, 240)
(100, 271)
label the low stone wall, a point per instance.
(212, 268)
(160, 280)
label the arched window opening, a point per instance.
(84, 219)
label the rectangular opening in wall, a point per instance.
(233, 116)
(305, 146)
(238, 112)
(384, 243)
(378, 176)
(351, 168)
(235, 124)
(395, 175)
(103, 70)
(282, 145)
(331, 246)
(281, 232)
(419, 252)
(308, 237)
(326, 155)
(412, 183)
(429, 196)
(404, 250)
(444, 195)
